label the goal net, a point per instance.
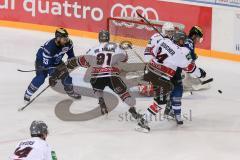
(135, 31)
(138, 33)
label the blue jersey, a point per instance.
(50, 55)
(190, 45)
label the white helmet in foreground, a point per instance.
(168, 30)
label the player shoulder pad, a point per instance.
(110, 47)
(49, 47)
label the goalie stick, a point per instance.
(22, 108)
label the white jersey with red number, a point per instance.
(168, 57)
(32, 149)
(151, 44)
(104, 59)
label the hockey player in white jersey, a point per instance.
(36, 147)
(103, 61)
(167, 31)
(161, 69)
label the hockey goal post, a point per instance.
(135, 31)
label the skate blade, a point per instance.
(140, 129)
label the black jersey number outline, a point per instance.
(161, 56)
(21, 153)
(101, 58)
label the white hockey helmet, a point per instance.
(168, 30)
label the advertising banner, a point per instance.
(91, 15)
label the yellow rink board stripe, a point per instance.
(93, 35)
(217, 54)
(45, 28)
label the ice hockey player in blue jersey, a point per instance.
(173, 107)
(49, 62)
(195, 36)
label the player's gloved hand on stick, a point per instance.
(72, 63)
(203, 73)
(52, 81)
(59, 72)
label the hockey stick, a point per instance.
(149, 23)
(206, 81)
(22, 108)
(43, 69)
(199, 86)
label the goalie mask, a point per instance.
(104, 36)
(168, 30)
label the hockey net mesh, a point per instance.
(135, 31)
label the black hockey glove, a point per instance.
(52, 81)
(203, 73)
(59, 73)
(72, 63)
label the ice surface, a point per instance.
(213, 133)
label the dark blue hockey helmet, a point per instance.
(61, 32)
(196, 30)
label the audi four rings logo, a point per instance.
(130, 11)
